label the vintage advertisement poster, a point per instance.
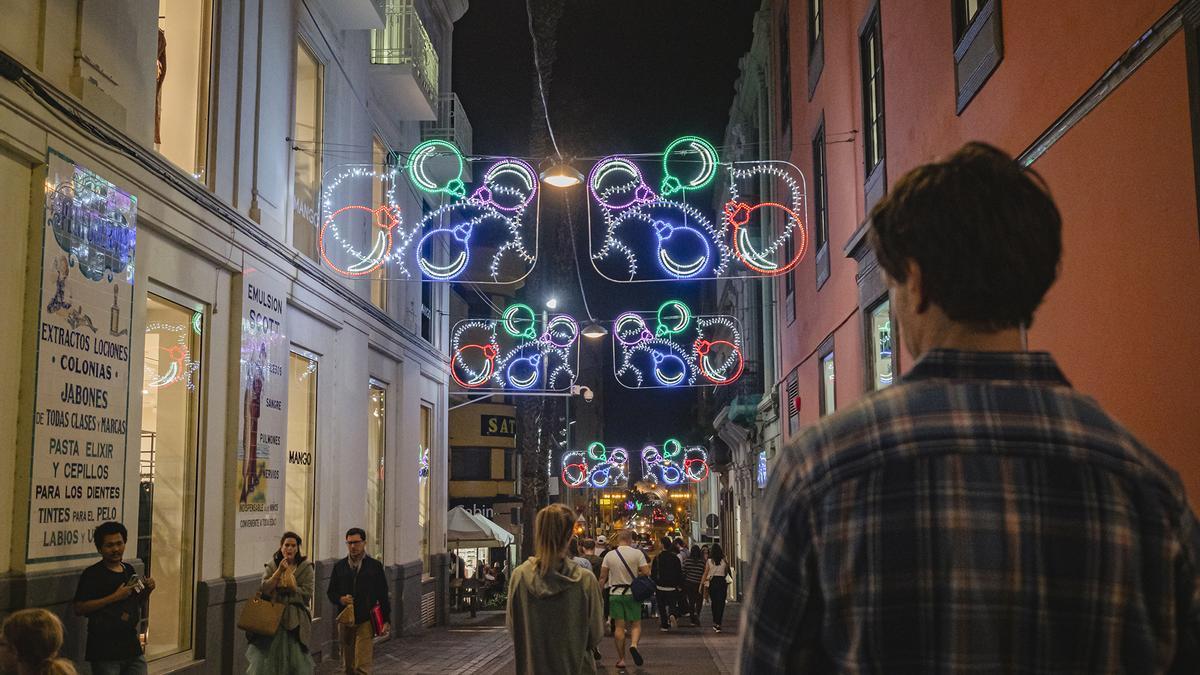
(262, 407)
(80, 417)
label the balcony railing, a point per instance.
(405, 42)
(451, 125)
(749, 385)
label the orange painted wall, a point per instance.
(1121, 320)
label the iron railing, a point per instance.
(451, 125)
(404, 41)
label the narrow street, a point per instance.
(481, 646)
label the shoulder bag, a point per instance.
(641, 588)
(261, 616)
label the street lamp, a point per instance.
(593, 330)
(562, 175)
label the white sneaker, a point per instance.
(716, 629)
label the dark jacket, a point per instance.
(368, 587)
(667, 571)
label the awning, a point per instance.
(471, 530)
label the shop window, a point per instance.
(828, 387)
(880, 347)
(376, 486)
(820, 203)
(183, 70)
(978, 46)
(379, 189)
(307, 139)
(167, 469)
(424, 494)
(871, 60)
(816, 43)
(302, 448)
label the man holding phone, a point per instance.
(113, 598)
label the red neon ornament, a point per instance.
(581, 468)
(386, 218)
(703, 347)
(489, 355)
(687, 469)
(738, 214)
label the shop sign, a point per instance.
(262, 415)
(498, 425)
(81, 393)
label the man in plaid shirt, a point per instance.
(981, 516)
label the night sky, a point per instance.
(629, 77)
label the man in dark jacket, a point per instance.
(667, 573)
(358, 580)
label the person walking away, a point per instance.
(288, 579)
(617, 573)
(554, 613)
(113, 598)
(573, 555)
(681, 548)
(358, 581)
(716, 580)
(981, 515)
(667, 573)
(602, 547)
(30, 640)
(588, 547)
(693, 577)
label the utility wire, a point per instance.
(537, 65)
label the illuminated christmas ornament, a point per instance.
(476, 376)
(457, 242)
(686, 243)
(669, 369)
(518, 321)
(523, 372)
(743, 217)
(726, 372)
(616, 183)
(385, 219)
(738, 215)
(422, 462)
(682, 348)
(519, 358)
(496, 194)
(561, 331)
(701, 158)
(681, 238)
(380, 224)
(673, 317)
(630, 329)
(177, 358)
(419, 173)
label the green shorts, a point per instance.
(624, 608)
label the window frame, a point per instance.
(300, 352)
(318, 155)
(826, 352)
(206, 140)
(870, 346)
(791, 390)
(872, 88)
(821, 202)
(978, 48)
(378, 281)
(784, 66)
(379, 533)
(816, 46)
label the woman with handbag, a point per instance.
(716, 580)
(288, 581)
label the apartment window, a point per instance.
(307, 135)
(302, 448)
(793, 393)
(471, 464)
(785, 76)
(828, 388)
(880, 336)
(978, 47)
(376, 485)
(183, 67)
(510, 456)
(816, 43)
(423, 497)
(820, 203)
(427, 311)
(789, 281)
(379, 193)
(871, 55)
(167, 469)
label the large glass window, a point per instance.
(379, 285)
(302, 448)
(167, 469)
(181, 90)
(828, 390)
(423, 498)
(376, 438)
(881, 345)
(307, 135)
(871, 55)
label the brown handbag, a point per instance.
(261, 616)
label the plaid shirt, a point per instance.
(981, 516)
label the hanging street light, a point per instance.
(562, 175)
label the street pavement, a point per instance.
(482, 646)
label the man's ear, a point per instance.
(913, 285)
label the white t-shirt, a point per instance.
(617, 574)
(716, 570)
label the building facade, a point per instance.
(174, 333)
(1102, 104)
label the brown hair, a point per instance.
(551, 531)
(35, 636)
(982, 228)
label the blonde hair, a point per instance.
(35, 636)
(552, 530)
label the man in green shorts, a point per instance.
(616, 574)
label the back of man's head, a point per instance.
(625, 538)
(983, 230)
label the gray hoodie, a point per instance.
(556, 619)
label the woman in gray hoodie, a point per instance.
(554, 607)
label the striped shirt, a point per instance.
(981, 516)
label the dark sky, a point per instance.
(629, 76)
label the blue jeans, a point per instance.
(134, 666)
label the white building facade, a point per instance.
(179, 357)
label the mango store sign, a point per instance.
(81, 399)
(262, 414)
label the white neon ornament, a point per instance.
(682, 350)
(510, 353)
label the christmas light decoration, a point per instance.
(673, 464)
(738, 215)
(178, 357)
(422, 463)
(383, 223)
(681, 349)
(596, 466)
(427, 150)
(701, 177)
(511, 354)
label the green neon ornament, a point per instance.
(671, 448)
(703, 176)
(668, 325)
(512, 320)
(596, 451)
(416, 167)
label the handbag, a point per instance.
(641, 588)
(261, 616)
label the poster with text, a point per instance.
(80, 418)
(262, 410)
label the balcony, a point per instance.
(354, 14)
(743, 395)
(451, 125)
(404, 64)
